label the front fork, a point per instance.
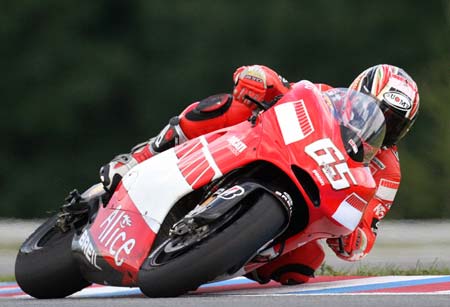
(220, 204)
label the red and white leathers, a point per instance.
(385, 169)
(210, 114)
(223, 110)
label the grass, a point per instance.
(9, 246)
(7, 278)
(385, 270)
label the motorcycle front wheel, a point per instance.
(45, 267)
(224, 251)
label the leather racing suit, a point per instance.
(223, 110)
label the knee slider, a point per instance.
(210, 107)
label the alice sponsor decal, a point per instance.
(114, 235)
(88, 249)
(397, 100)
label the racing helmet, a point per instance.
(398, 96)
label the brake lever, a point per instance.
(260, 104)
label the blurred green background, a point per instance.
(85, 80)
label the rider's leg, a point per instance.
(295, 267)
(207, 115)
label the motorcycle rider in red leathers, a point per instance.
(399, 102)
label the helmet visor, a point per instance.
(396, 125)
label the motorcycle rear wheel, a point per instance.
(45, 267)
(218, 254)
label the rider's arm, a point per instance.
(385, 169)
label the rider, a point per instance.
(399, 101)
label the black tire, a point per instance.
(217, 254)
(45, 267)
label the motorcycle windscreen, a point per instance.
(362, 122)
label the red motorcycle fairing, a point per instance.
(115, 245)
(311, 139)
(299, 131)
(122, 234)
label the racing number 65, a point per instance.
(332, 163)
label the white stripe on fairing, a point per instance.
(210, 159)
(194, 169)
(194, 147)
(289, 123)
(199, 176)
(186, 163)
(155, 185)
(347, 215)
(386, 193)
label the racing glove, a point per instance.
(258, 82)
(351, 247)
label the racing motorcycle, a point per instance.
(217, 206)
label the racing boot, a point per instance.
(112, 173)
(295, 267)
